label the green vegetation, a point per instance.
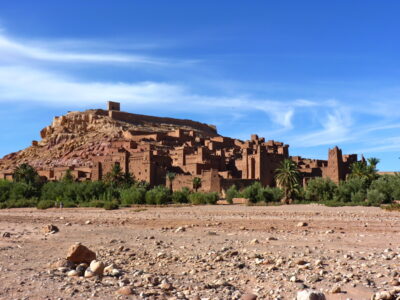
(287, 177)
(362, 187)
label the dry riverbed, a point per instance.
(203, 252)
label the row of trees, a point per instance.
(117, 189)
(363, 186)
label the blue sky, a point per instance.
(313, 74)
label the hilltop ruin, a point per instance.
(90, 143)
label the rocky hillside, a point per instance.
(74, 138)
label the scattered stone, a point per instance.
(125, 290)
(6, 234)
(88, 222)
(302, 224)
(310, 295)
(50, 229)
(89, 273)
(336, 290)
(180, 229)
(255, 241)
(79, 253)
(81, 268)
(73, 273)
(97, 267)
(62, 263)
(249, 297)
(384, 295)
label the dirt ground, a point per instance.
(204, 252)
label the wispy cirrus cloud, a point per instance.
(56, 52)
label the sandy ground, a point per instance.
(220, 252)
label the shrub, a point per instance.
(231, 193)
(32, 202)
(181, 196)
(320, 190)
(352, 190)
(158, 195)
(111, 205)
(203, 198)
(257, 193)
(21, 190)
(270, 194)
(253, 192)
(5, 188)
(45, 204)
(133, 195)
(375, 197)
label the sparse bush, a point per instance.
(45, 204)
(203, 198)
(375, 197)
(5, 188)
(133, 195)
(320, 190)
(271, 194)
(253, 192)
(158, 195)
(110, 205)
(352, 190)
(232, 192)
(181, 196)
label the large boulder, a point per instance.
(79, 253)
(310, 295)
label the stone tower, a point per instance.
(335, 169)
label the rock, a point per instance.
(255, 241)
(6, 234)
(89, 273)
(301, 262)
(336, 289)
(81, 268)
(62, 263)
(73, 273)
(50, 229)
(79, 253)
(310, 295)
(108, 269)
(272, 238)
(97, 267)
(126, 290)
(166, 286)
(302, 224)
(88, 222)
(384, 295)
(180, 229)
(248, 297)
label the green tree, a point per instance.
(27, 174)
(68, 177)
(287, 176)
(196, 183)
(363, 169)
(118, 178)
(170, 176)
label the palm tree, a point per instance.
(362, 169)
(196, 183)
(373, 161)
(68, 177)
(170, 176)
(115, 176)
(26, 173)
(287, 177)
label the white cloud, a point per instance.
(12, 49)
(336, 127)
